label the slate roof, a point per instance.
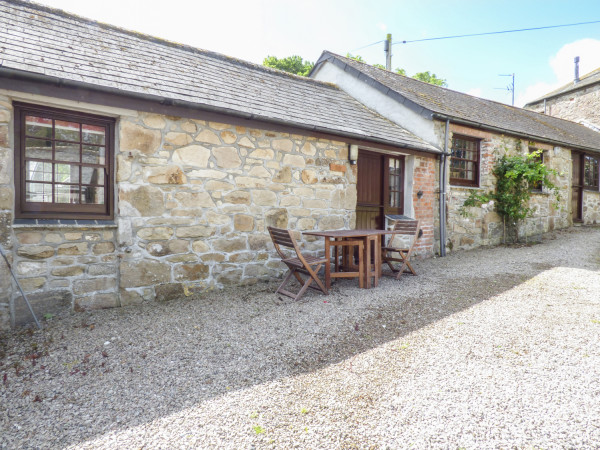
(428, 99)
(588, 79)
(35, 39)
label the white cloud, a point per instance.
(563, 66)
(562, 63)
(476, 92)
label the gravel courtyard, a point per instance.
(492, 348)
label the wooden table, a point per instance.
(371, 239)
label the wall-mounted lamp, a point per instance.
(353, 153)
(419, 195)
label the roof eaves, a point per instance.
(16, 74)
(483, 126)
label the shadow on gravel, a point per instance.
(90, 374)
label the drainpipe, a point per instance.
(443, 167)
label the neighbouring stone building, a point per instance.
(133, 169)
(474, 133)
(578, 101)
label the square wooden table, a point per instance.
(371, 240)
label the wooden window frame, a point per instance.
(590, 187)
(462, 181)
(51, 210)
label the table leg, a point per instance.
(377, 259)
(328, 263)
(367, 262)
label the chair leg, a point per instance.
(312, 276)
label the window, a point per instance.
(464, 165)
(62, 164)
(536, 186)
(591, 172)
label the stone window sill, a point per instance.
(62, 223)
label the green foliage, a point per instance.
(356, 58)
(258, 429)
(400, 71)
(515, 174)
(292, 64)
(430, 78)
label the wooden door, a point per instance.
(380, 188)
(577, 187)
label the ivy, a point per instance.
(515, 174)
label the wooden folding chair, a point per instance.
(408, 230)
(308, 265)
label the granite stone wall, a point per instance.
(582, 106)
(195, 198)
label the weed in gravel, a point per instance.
(254, 414)
(304, 411)
(258, 429)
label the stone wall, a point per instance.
(195, 198)
(582, 106)
(60, 267)
(591, 207)
(483, 226)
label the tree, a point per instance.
(430, 78)
(292, 64)
(356, 58)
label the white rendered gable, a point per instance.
(386, 106)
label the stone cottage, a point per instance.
(474, 132)
(134, 169)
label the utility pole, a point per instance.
(387, 48)
(510, 87)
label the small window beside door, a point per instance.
(591, 172)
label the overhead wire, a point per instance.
(369, 45)
(492, 32)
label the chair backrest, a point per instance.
(407, 232)
(409, 227)
(283, 238)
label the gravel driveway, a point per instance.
(484, 349)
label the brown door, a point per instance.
(577, 187)
(380, 188)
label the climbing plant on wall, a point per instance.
(515, 175)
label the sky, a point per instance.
(541, 60)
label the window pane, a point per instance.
(38, 148)
(38, 127)
(92, 175)
(67, 131)
(93, 134)
(66, 173)
(64, 193)
(66, 152)
(93, 154)
(38, 192)
(92, 195)
(38, 171)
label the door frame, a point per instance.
(383, 207)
